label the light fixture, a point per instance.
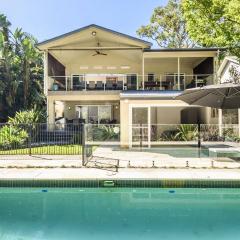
(111, 67)
(69, 108)
(98, 67)
(83, 67)
(94, 33)
(125, 67)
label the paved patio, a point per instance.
(114, 158)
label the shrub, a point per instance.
(186, 132)
(27, 117)
(103, 133)
(12, 136)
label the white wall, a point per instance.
(225, 75)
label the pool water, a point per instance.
(179, 151)
(107, 213)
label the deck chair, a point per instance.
(109, 85)
(91, 85)
(99, 85)
(119, 85)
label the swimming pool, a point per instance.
(119, 213)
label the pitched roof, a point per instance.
(98, 27)
(224, 63)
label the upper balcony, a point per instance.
(125, 82)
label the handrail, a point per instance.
(171, 81)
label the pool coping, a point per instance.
(185, 178)
(118, 183)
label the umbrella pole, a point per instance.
(199, 140)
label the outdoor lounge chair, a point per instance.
(99, 85)
(79, 86)
(109, 85)
(119, 85)
(91, 85)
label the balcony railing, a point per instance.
(122, 82)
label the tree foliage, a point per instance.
(214, 22)
(21, 71)
(167, 27)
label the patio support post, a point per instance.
(143, 71)
(220, 122)
(45, 63)
(178, 73)
(51, 113)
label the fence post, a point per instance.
(199, 139)
(83, 143)
(141, 136)
(30, 140)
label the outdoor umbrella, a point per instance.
(224, 96)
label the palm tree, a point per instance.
(21, 70)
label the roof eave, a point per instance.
(149, 44)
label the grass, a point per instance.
(48, 150)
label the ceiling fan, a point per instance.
(98, 52)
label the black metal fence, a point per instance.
(40, 139)
(80, 139)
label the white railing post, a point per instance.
(160, 85)
(66, 82)
(195, 80)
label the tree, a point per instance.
(167, 27)
(214, 23)
(21, 71)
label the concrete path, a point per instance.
(110, 158)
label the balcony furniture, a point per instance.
(152, 85)
(109, 85)
(113, 79)
(91, 85)
(150, 77)
(79, 86)
(119, 85)
(99, 85)
(55, 87)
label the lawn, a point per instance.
(48, 150)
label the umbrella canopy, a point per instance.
(224, 96)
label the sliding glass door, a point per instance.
(95, 114)
(140, 126)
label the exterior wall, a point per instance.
(206, 116)
(166, 114)
(225, 75)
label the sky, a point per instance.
(45, 19)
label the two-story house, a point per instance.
(99, 76)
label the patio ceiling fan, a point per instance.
(98, 52)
